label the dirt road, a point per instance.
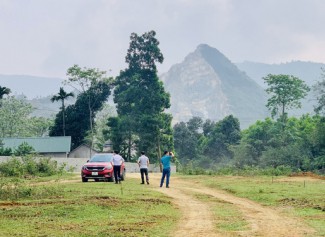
(197, 218)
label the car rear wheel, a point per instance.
(84, 180)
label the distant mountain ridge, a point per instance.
(308, 71)
(205, 84)
(31, 86)
(208, 85)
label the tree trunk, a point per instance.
(63, 118)
(91, 128)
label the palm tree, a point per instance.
(62, 95)
(4, 91)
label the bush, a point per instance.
(30, 166)
(12, 167)
(5, 151)
(24, 149)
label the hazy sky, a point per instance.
(45, 37)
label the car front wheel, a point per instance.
(84, 180)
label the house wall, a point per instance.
(57, 154)
(82, 151)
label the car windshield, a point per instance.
(101, 158)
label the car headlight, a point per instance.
(83, 167)
(108, 167)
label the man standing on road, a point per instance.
(117, 163)
(165, 162)
(143, 162)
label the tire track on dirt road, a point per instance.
(197, 218)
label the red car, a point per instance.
(100, 167)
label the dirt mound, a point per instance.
(307, 174)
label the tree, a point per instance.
(78, 125)
(101, 125)
(4, 91)
(225, 134)
(286, 92)
(62, 95)
(14, 117)
(319, 90)
(89, 82)
(141, 99)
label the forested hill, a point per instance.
(208, 85)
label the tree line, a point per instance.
(278, 142)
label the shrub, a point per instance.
(24, 149)
(30, 166)
(12, 167)
(5, 151)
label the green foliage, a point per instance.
(298, 146)
(14, 117)
(319, 90)
(100, 127)
(206, 144)
(12, 167)
(77, 116)
(24, 149)
(141, 100)
(4, 91)
(286, 92)
(5, 151)
(185, 141)
(28, 165)
(62, 95)
(225, 134)
(265, 145)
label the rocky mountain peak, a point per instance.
(208, 85)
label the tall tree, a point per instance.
(62, 95)
(86, 81)
(140, 96)
(286, 92)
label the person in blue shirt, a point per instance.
(165, 162)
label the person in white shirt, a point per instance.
(117, 162)
(143, 162)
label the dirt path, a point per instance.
(197, 219)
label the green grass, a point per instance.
(89, 209)
(303, 198)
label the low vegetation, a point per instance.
(86, 209)
(30, 166)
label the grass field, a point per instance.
(48, 207)
(88, 209)
(302, 197)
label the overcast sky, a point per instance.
(45, 37)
